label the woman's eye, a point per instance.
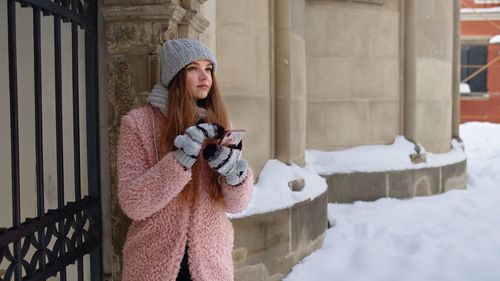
(208, 69)
(191, 68)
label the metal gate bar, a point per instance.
(14, 134)
(60, 247)
(93, 155)
(76, 126)
(40, 194)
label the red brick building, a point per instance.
(480, 23)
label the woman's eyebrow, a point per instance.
(198, 64)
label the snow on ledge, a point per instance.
(480, 10)
(272, 193)
(495, 39)
(464, 88)
(378, 158)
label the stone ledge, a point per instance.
(369, 186)
(267, 246)
(161, 12)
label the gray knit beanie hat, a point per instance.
(176, 54)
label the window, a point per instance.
(474, 57)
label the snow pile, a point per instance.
(271, 192)
(377, 158)
(492, 10)
(449, 237)
(464, 88)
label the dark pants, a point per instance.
(184, 274)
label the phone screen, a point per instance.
(232, 137)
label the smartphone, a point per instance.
(232, 137)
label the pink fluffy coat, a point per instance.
(162, 223)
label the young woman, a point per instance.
(176, 197)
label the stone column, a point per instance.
(134, 31)
(428, 73)
(455, 87)
(409, 71)
(290, 82)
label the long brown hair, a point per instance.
(181, 114)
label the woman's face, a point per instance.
(199, 78)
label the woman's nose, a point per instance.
(203, 75)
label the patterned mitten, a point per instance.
(228, 162)
(189, 144)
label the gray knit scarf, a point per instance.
(158, 98)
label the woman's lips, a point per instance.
(203, 87)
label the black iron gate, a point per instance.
(43, 246)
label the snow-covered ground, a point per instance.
(449, 237)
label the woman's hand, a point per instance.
(228, 162)
(189, 144)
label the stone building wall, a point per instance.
(353, 73)
(376, 69)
